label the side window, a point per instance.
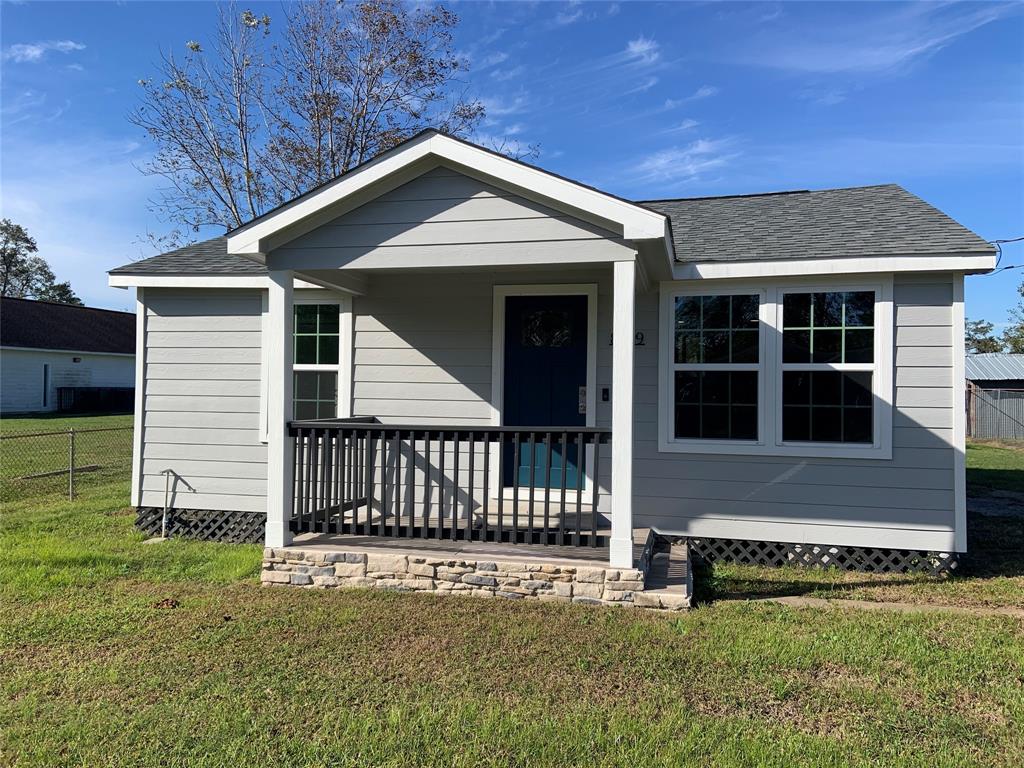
(716, 367)
(316, 362)
(828, 363)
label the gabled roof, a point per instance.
(209, 257)
(883, 220)
(994, 366)
(635, 221)
(45, 325)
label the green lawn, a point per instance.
(995, 466)
(992, 575)
(60, 422)
(97, 669)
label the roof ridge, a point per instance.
(62, 304)
(769, 194)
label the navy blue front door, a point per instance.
(545, 380)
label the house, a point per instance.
(446, 353)
(64, 357)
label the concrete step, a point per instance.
(669, 580)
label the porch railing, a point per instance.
(495, 484)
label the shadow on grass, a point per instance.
(995, 550)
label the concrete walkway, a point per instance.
(870, 605)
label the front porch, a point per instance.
(433, 469)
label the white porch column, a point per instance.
(280, 455)
(623, 299)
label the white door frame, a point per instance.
(502, 292)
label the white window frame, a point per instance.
(880, 392)
(669, 366)
(345, 343)
(769, 442)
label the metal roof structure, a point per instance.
(994, 366)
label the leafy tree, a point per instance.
(978, 338)
(25, 275)
(1013, 335)
(60, 293)
(252, 123)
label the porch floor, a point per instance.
(466, 550)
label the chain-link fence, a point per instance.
(995, 414)
(65, 461)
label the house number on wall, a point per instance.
(638, 339)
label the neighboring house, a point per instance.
(521, 357)
(995, 370)
(88, 353)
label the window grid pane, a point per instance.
(316, 334)
(834, 327)
(718, 405)
(316, 394)
(717, 329)
(827, 406)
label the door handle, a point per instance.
(583, 401)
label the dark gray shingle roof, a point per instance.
(884, 220)
(209, 257)
(45, 325)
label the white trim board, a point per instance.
(959, 419)
(198, 281)
(720, 270)
(138, 429)
(502, 292)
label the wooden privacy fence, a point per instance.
(995, 414)
(496, 484)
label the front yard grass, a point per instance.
(991, 575)
(115, 652)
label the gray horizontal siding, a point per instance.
(903, 499)
(201, 399)
(446, 217)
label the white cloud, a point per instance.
(643, 50)
(501, 75)
(873, 43)
(499, 107)
(493, 59)
(30, 53)
(567, 17)
(704, 92)
(686, 125)
(613, 9)
(646, 85)
(684, 163)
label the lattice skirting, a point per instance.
(205, 524)
(863, 559)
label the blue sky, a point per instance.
(644, 100)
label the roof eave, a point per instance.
(965, 263)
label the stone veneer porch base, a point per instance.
(551, 582)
